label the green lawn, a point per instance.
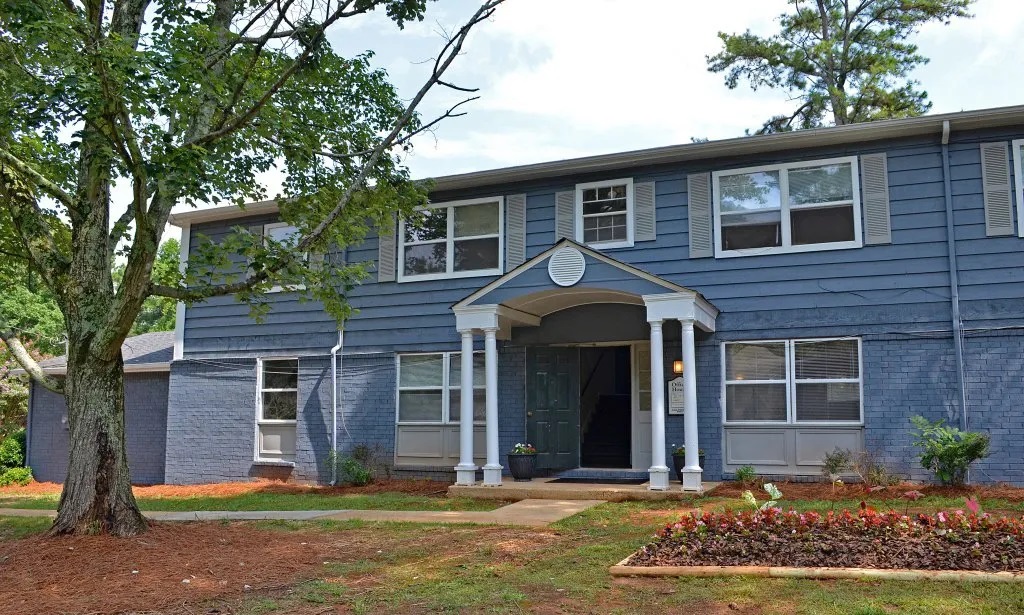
(282, 501)
(564, 568)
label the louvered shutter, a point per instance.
(701, 237)
(565, 215)
(644, 213)
(995, 180)
(874, 171)
(515, 231)
(386, 247)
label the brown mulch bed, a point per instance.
(839, 548)
(412, 487)
(857, 491)
(221, 562)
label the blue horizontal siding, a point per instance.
(901, 286)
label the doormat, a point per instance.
(602, 481)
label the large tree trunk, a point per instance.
(97, 494)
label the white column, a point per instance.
(658, 471)
(692, 470)
(465, 472)
(492, 471)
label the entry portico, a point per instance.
(577, 276)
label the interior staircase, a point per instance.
(605, 443)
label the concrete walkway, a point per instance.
(527, 513)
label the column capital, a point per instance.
(656, 322)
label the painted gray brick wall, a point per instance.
(145, 430)
(995, 401)
(367, 396)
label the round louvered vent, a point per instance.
(566, 266)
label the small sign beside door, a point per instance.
(676, 397)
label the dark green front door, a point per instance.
(553, 406)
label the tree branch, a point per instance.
(37, 178)
(27, 363)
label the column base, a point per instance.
(692, 480)
(465, 475)
(659, 478)
(492, 475)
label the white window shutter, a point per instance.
(995, 180)
(386, 248)
(643, 211)
(874, 171)
(565, 215)
(515, 231)
(699, 211)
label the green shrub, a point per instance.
(349, 470)
(947, 451)
(835, 463)
(12, 453)
(746, 474)
(16, 476)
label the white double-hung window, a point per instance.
(451, 240)
(792, 381)
(604, 213)
(794, 207)
(277, 405)
(430, 387)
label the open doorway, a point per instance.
(605, 407)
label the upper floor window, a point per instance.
(796, 207)
(288, 235)
(604, 213)
(792, 381)
(449, 240)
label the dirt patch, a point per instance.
(412, 487)
(101, 574)
(857, 491)
(655, 517)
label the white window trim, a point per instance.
(445, 387)
(604, 245)
(259, 406)
(791, 381)
(1017, 149)
(450, 240)
(277, 287)
(785, 208)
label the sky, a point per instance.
(560, 79)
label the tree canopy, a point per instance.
(188, 103)
(843, 61)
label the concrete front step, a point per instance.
(544, 489)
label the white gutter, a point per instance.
(334, 404)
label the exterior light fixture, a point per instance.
(677, 366)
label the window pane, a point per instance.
(479, 219)
(604, 228)
(280, 406)
(825, 184)
(426, 258)
(824, 225)
(428, 225)
(755, 402)
(602, 207)
(421, 370)
(766, 361)
(831, 359)
(282, 234)
(762, 229)
(750, 191)
(455, 407)
(419, 406)
(475, 254)
(455, 371)
(831, 401)
(281, 374)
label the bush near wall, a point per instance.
(12, 460)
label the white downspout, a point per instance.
(334, 404)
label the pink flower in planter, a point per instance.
(913, 496)
(972, 504)
(941, 517)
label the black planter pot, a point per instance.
(679, 461)
(522, 467)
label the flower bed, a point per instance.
(868, 539)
